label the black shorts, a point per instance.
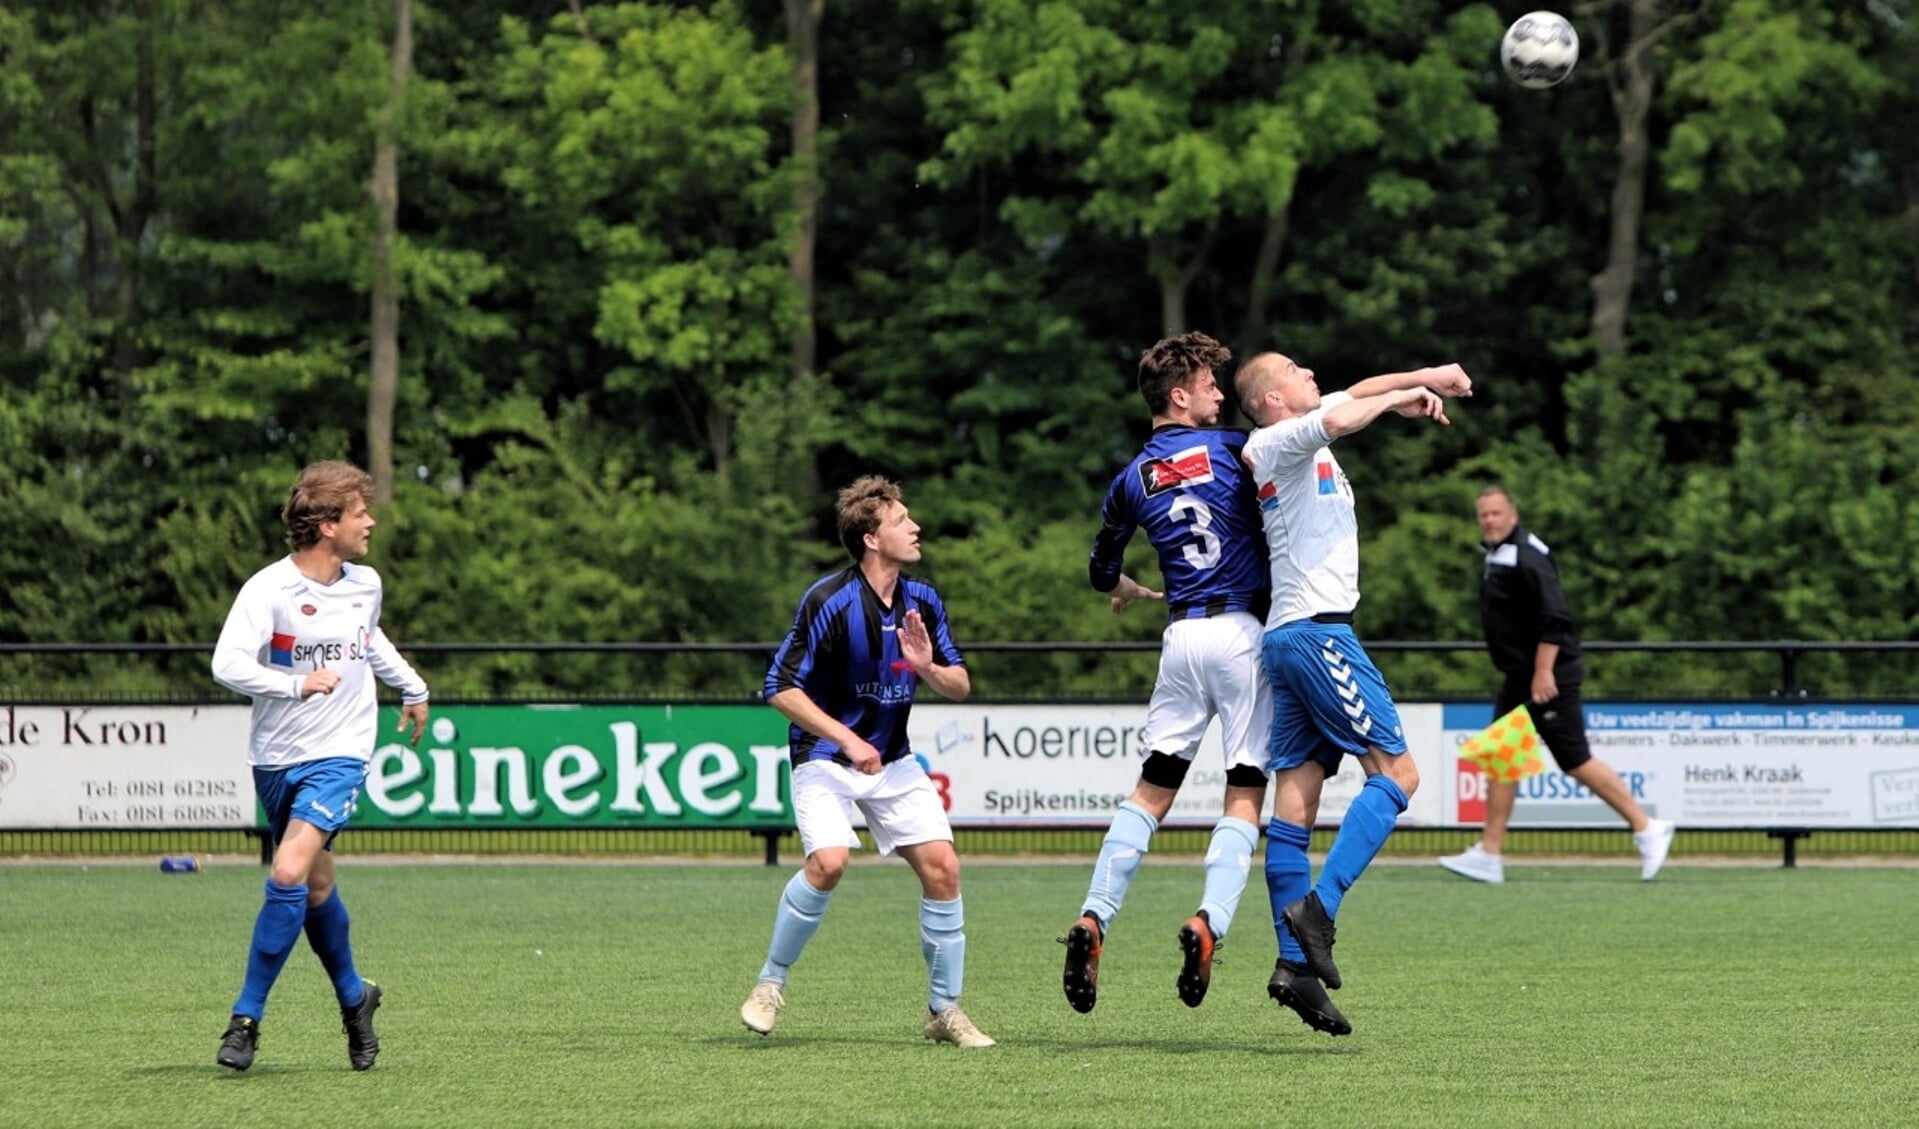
(1561, 722)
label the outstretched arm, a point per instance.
(1446, 380)
(1356, 414)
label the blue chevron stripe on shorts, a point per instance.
(1328, 698)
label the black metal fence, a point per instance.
(1789, 845)
(32, 673)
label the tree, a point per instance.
(1135, 111)
(1631, 74)
(650, 148)
(383, 385)
(1174, 126)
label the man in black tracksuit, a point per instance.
(1529, 633)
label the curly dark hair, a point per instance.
(1172, 362)
(322, 494)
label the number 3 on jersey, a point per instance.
(1203, 551)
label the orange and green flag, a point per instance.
(1508, 749)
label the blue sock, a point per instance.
(1228, 859)
(1289, 874)
(326, 927)
(1118, 861)
(801, 907)
(943, 940)
(274, 933)
(1361, 833)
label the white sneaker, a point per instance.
(952, 1026)
(762, 1009)
(1476, 864)
(1653, 843)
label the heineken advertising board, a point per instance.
(583, 766)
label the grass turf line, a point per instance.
(608, 995)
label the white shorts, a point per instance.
(1206, 667)
(900, 804)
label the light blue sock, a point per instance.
(943, 941)
(1361, 833)
(1289, 874)
(801, 907)
(1229, 857)
(275, 931)
(1126, 842)
(326, 927)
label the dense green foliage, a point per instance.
(602, 434)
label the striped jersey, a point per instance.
(1311, 530)
(1191, 493)
(843, 650)
(282, 627)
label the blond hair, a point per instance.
(322, 494)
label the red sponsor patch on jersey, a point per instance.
(1327, 483)
(1191, 467)
(308, 609)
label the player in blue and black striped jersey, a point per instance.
(1192, 494)
(844, 653)
(862, 641)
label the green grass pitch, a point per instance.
(608, 995)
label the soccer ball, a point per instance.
(1539, 50)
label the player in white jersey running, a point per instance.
(1329, 701)
(303, 640)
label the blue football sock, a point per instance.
(274, 933)
(801, 907)
(1125, 844)
(326, 928)
(943, 941)
(1289, 874)
(1361, 833)
(1229, 856)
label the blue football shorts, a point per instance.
(322, 792)
(1329, 700)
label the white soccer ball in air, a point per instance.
(1539, 50)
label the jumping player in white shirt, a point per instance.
(303, 640)
(1191, 493)
(1329, 701)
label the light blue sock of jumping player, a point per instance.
(1229, 857)
(1125, 844)
(1289, 874)
(943, 940)
(326, 927)
(274, 933)
(1361, 833)
(801, 907)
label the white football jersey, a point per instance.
(284, 626)
(1312, 535)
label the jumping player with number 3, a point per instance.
(1191, 493)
